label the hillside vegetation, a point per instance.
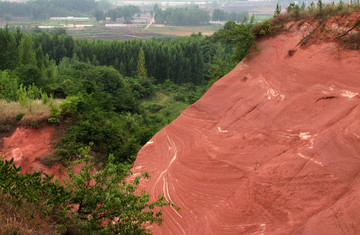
(111, 95)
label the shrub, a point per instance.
(8, 87)
(294, 9)
(55, 115)
(19, 116)
(36, 125)
(93, 201)
(109, 205)
(241, 36)
(69, 106)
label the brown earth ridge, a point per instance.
(272, 148)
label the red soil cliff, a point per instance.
(27, 146)
(272, 148)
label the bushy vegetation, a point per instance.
(92, 201)
(102, 85)
(323, 14)
(125, 12)
(182, 16)
(318, 10)
(221, 15)
(241, 36)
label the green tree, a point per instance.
(107, 203)
(221, 65)
(28, 74)
(277, 10)
(141, 64)
(8, 87)
(39, 57)
(8, 49)
(320, 8)
(7, 17)
(302, 8)
(98, 14)
(26, 53)
(219, 14)
(93, 202)
(240, 36)
(26, 95)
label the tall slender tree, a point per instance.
(141, 64)
(26, 53)
(8, 50)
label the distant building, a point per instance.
(141, 20)
(120, 20)
(121, 25)
(70, 18)
(115, 25)
(217, 22)
(46, 27)
(147, 15)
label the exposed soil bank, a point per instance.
(272, 148)
(27, 146)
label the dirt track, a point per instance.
(272, 148)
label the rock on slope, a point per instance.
(272, 148)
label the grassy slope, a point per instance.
(23, 219)
(162, 108)
(13, 114)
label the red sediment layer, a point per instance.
(273, 147)
(27, 146)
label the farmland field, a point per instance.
(184, 30)
(99, 32)
(140, 33)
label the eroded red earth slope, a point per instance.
(272, 148)
(28, 146)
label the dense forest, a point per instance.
(192, 15)
(101, 83)
(221, 15)
(99, 94)
(43, 9)
(127, 12)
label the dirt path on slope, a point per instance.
(151, 22)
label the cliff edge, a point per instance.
(272, 148)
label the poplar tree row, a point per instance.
(180, 60)
(43, 9)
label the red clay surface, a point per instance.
(27, 146)
(272, 148)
